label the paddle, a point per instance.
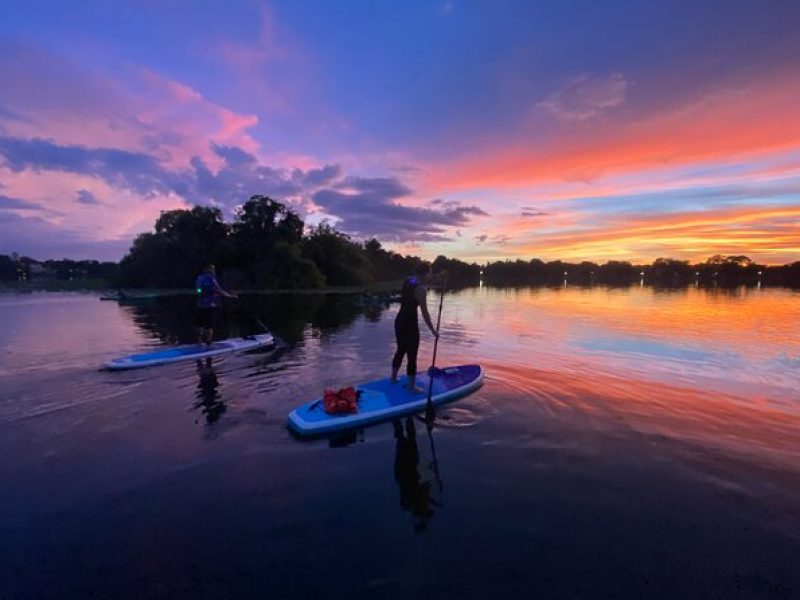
(430, 415)
(240, 305)
(434, 461)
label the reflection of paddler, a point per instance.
(208, 396)
(415, 496)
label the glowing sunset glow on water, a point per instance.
(733, 342)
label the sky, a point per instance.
(569, 129)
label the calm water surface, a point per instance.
(627, 443)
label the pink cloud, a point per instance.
(136, 109)
(116, 214)
(267, 67)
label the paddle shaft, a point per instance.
(429, 406)
(434, 460)
(240, 304)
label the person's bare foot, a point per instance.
(414, 389)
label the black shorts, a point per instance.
(206, 318)
(407, 334)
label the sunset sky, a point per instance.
(481, 130)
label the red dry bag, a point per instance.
(344, 401)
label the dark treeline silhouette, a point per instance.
(664, 272)
(268, 246)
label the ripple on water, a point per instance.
(462, 417)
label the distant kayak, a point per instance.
(381, 400)
(189, 352)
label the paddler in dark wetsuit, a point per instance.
(406, 329)
(209, 299)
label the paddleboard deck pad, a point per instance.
(190, 352)
(382, 400)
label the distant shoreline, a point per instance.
(102, 287)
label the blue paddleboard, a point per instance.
(382, 400)
(194, 351)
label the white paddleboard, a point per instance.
(190, 352)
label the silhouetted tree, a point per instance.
(341, 260)
(8, 268)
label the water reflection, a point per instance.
(416, 495)
(658, 421)
(209, 400)
(170, 320)
(346, 438)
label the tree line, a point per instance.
(663, 272)
(269, 246)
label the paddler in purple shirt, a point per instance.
(413, 295)
(209, 299)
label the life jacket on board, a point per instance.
(345, 401)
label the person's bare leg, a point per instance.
(412, 385)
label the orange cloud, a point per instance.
(771, 234)
(747, 119)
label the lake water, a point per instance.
(627, 443)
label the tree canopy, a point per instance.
(266, 245)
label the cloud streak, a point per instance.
(587, 97)
(7, 203)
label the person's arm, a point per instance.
(421, 295)
(223, 292)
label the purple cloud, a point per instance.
(120, 168)
(7, 203)
(366, 207)
(86, 197)
(233, 156)
(16, 233)
(496, 240)
(240, 176)
(530, 211)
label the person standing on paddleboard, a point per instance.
(406, 329)
(209, 299)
